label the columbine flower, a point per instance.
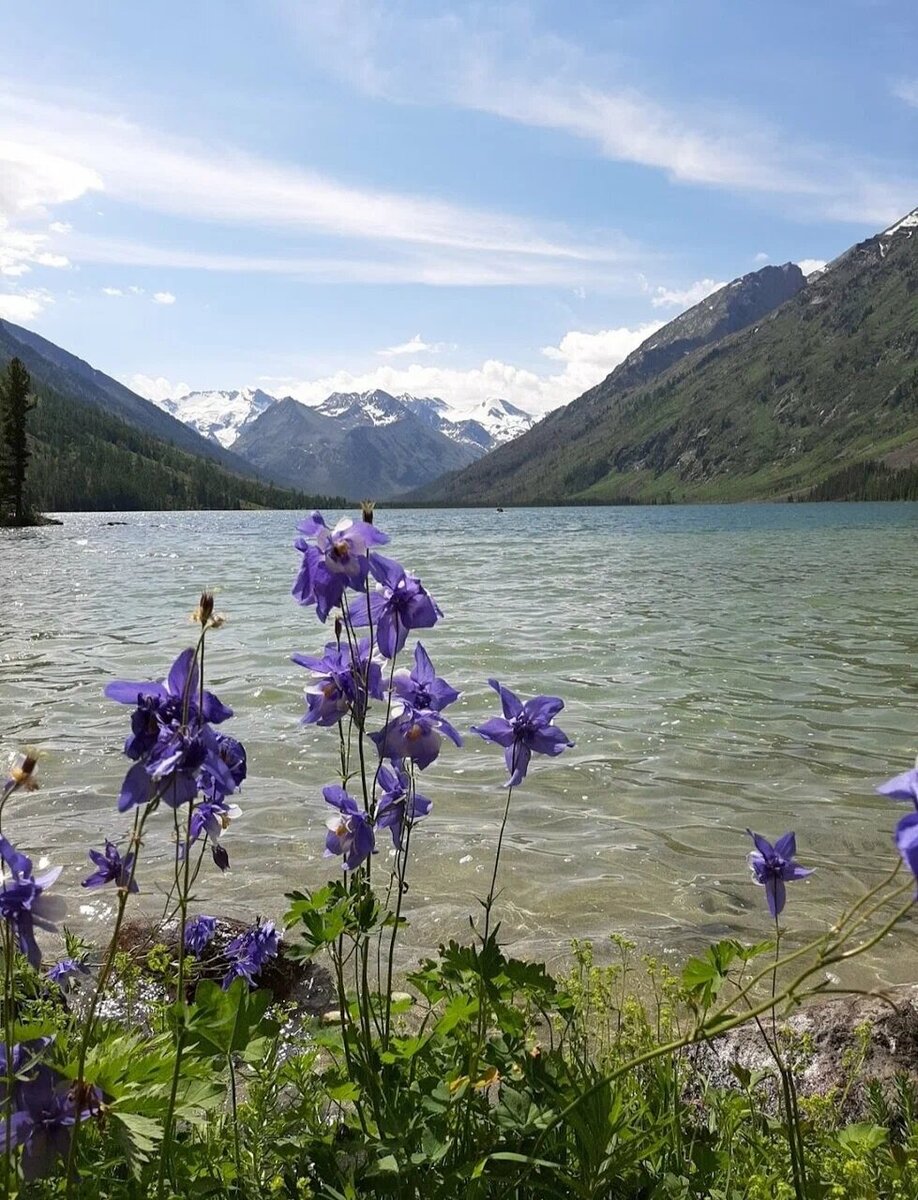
(421, 687)
(350, 834)
(902, 787)
(336, 561)
(401, 605)
(168, 700)
(111, 868)
(45, 1111)
(199, 933)
(414, 735)
(213, 819)
(907, 841)
(67, 972)
(524, 728)
(23, 903)
(250, 951)
(773, 866)
(342, 684)
(392, 809)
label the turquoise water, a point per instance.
(723, 667)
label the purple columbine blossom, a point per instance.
(250, 951)
(213, 819)
(67, 973)
(23, 902)
(524, 729)
(199, 933)
(421, 687)
(44, 1113)
(902, 787)
(400, 605)
(907, 842)
(415, 735)
(164, 702)
(343, 684)
(111, 868)
(337, 560)
(392, 808)
(773, 866)
(350, 834)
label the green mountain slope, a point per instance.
(86, 460)
(828, 380)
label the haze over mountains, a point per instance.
(769, 387)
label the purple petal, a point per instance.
(551, 740)
(312, 524)
(423, 668)
(786, 845)
(136, 789)
(336, 796)
(510, 703)
(763, 846)
(901, 787)
(179, 673)
(386, 570)
(541, 709)
(775, 893)
(517, 759)
(496, 729)
(215, 710)
(125, 692)
(390, 635)
(907, 841)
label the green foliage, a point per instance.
(16, 403)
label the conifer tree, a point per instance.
(15, 405)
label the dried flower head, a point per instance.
(22, 772)
(366, 510)
(204, 616)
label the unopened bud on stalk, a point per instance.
(203, 615)
(22, 773)
(366, 510)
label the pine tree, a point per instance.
(15, 405)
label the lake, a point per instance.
(722, 667)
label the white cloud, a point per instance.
(515, 71)
(809, 265)
(586, 357)
(20, 250)
(60, 227)
(163, 298)
(761, 257)
(23, 306)
(155, 387)
(415, 345)
(685, 297)
(79, 151)
(112, 291)
(907, 90)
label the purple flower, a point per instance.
(45, 1112)
(414, 735)
(421, 687)
(773, 866)
(232, 754)
(67, 972)
(336, 561)
(213, 819)
(23, 903)
(199, 934)
(350, 834)
(111, 868)
(907, 841)
(902, 787)
(524, 728)
(399, 606)
(392, 809)
(165, 701)
(342, 685)
(250, 951)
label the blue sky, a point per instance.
(465, 200)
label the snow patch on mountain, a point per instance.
(221, 415)
(218, 415)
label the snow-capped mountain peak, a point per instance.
(909, 221)
(219, 415)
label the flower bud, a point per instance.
(366, 510)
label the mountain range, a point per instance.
(352, 443)
(772, 387)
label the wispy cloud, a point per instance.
(155, 387)
(683, 298)
(542, 81)
(414, 345)
(59, 152)
(163, 298)
(907, 90)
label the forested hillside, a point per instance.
(85, 459)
